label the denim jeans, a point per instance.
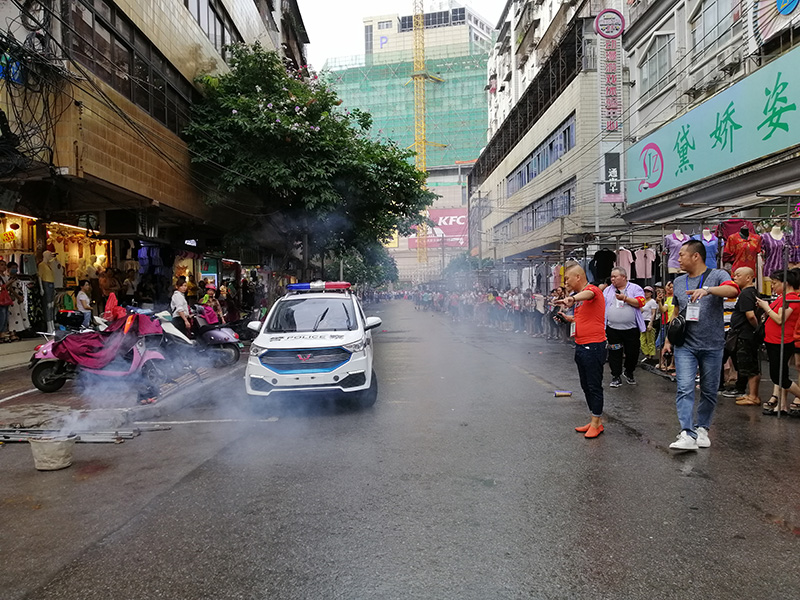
(590, 359)
(3, 318)
(686, 362)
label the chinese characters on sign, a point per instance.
(613, 191)
(682, 147)
(723, 133)
(774, 112)
(754, 118)
(609, 26)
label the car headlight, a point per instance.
(256, 350)
(356, 346)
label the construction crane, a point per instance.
(420, 131)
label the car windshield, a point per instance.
(313, 314)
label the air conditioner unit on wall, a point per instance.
(729, 62)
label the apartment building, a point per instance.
(457, 42)
(96, 94)
(554, 132)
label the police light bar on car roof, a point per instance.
(318, 285)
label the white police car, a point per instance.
(316, 338)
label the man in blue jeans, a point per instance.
(699, 295)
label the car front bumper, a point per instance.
(352, 376)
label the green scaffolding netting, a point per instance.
(457, 111)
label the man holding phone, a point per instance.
(624, 324)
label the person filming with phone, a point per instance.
(624, 324)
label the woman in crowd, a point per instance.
(776, 319)
(84, 302)
(666, 308)
(179, 308)
(648, 336)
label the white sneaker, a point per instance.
(684, 442)
(703, 441)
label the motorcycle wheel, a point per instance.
(46, 378)
(153, 374)
(226, 355)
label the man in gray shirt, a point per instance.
(699, 295)
(624, 323)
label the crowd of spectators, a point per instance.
(636, 324)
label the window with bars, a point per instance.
(654, 70)
(558, 143)
(215, 22)
(117, 53)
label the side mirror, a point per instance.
(254, 326)
(372, 323)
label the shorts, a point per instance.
(747, 363)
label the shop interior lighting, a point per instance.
(75, 227)
(13, 214)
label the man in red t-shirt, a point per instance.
(590, 342)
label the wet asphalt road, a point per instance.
(465, 481)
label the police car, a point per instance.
(315, 338)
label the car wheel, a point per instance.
(369, 396)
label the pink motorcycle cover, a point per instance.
(95, 350)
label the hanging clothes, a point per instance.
(731, 226)
(711, 246)
(743, 252)
(773, 252)
(672, 243)
(794, 241)
(644, 258)
(602, 263)
(625, 260)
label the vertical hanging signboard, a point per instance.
(609, 25)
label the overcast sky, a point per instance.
(336, 30)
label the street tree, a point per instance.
(285, 152)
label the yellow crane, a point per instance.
(420, 133)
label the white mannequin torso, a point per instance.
(707, 235)
(679, 234)
(776, 233)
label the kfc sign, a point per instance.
(449, 229)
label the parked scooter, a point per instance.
(216, 343)
(119, 352)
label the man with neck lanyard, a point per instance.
(588, 323)
(699, 295)
(624, 325)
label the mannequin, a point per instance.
(772, 246)
(47, 287)
(711, 244)
(91, 268)
(742, 249)
(672, 244)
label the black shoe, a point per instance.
(629, 379)
(615, 382)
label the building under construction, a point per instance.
(457, 45)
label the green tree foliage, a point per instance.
(371, 267)
(281, 140)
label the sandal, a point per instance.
(769, 408)
(794, 409)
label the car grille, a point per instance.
(317, 360)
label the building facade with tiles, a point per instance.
(97, 93)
